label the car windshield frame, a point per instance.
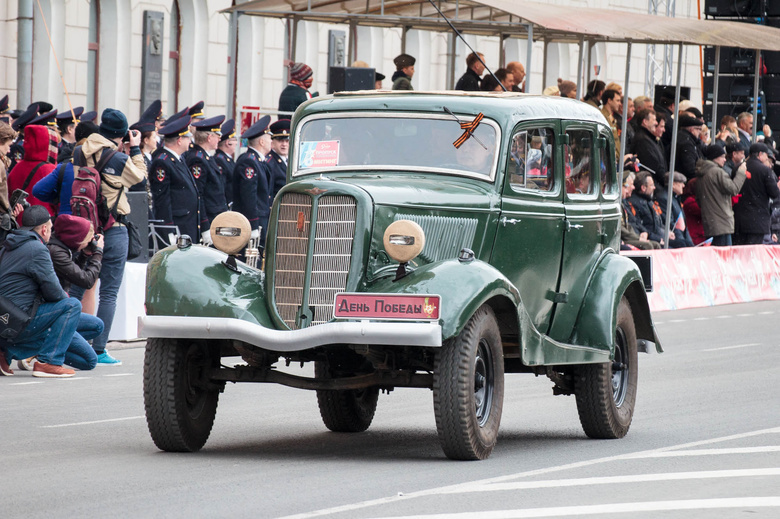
(457, 132)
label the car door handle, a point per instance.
(570, 226)
(504, 220)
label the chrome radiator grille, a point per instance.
(334, 234)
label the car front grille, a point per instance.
(329, 265)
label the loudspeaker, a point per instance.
(770, 85)
(341, 79)
(668, 91)
(732, 109)
(734, 7)
(139, 215)
(732, 61)
(773, 116)
(732, 89)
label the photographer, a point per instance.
(8, 214)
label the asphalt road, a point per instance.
(705, 442)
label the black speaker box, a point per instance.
(668, 91)
(732, 61)
(771, 61)
(773, 116)
(733, 89)
(341, 79)
(770, 85)
(772, 8)
(734, 7)
(139, 215)
(732, 109)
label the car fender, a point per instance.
(463, 287)
(614, 277)
(218, 290)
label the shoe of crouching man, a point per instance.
(43, 370)
(105, 359)
(5, 369)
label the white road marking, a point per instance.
(537, 472)
(701, 319)
(92, 422)
(678, 320)
(652, 506)
(709, 452)
(119, 375)
(26, 383)
(726, 316)
(614, 480)
(745, 315)
(765, 313)
(734, 347)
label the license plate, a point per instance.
(387, 306)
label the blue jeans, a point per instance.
(111, 273)
(80, 354)
(49, 334)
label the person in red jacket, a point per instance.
(34, 166)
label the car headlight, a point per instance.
(404, 240)
(230, 232)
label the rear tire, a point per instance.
(179, 399)
(605, 394)
(348, 410)
(468, 389)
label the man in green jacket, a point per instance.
(404, 65)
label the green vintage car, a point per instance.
(435, 240)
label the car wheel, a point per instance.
(468, 389)
(348, 410)
(606, 393)
(180, 400)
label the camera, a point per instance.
(19, 196)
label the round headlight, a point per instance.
(230, 232)
(404, 240)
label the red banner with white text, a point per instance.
(706, 276)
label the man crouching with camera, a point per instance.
(31, 292)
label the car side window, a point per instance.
(608, 184)
(530, 165)
(577, 156)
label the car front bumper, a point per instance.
(362, 332)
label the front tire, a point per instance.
(348, 410)
(606, 393)
(179, 399)
(468, 389)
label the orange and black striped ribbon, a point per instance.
(468, 129)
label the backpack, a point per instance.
(86, 198)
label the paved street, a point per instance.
(705, 442)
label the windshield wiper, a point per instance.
(468, 129)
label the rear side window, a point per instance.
(578, 155)
(608, 183)
(530, 165)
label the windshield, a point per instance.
(396, 142)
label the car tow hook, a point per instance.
(618, 366)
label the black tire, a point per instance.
(349, 410)
(180, 402)
(468, 389)
(606, 394)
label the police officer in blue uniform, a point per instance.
(175, 193)
(203, 167)
(16, 153)
(223, 158)
(250, 181)
(66, 124)
(277, 157)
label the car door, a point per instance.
(583, 238)
(527, 248)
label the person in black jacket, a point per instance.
(297, 91)
(276, 160)
(250, 180)
(646, 146)
(642, 205)
(76, 258)
(203, 168)
(28, 281)
(470, 81)
(752, 214)
(223, 158)
(688, 146)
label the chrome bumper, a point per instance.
(365, 332)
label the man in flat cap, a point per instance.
(752, 213)
(404, 70)
(203, 169)
(66, 125)
(177, 200)
(714, 189)
(223, 158)
(277, 157)
(688, 147)
(250, 180)
(297, 91)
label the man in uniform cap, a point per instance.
(181, 113)
(404, 65)
(203, 168)
(176, 197)
(277, 157)
(153, 114)
(16, 153)
(250, 180)
(43, 107)
(223, 158)
(66, 124)
(89, 117)
(297, 91)
(196, 113)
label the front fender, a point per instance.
(614, 277)
(193, 282)
(463, 288)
